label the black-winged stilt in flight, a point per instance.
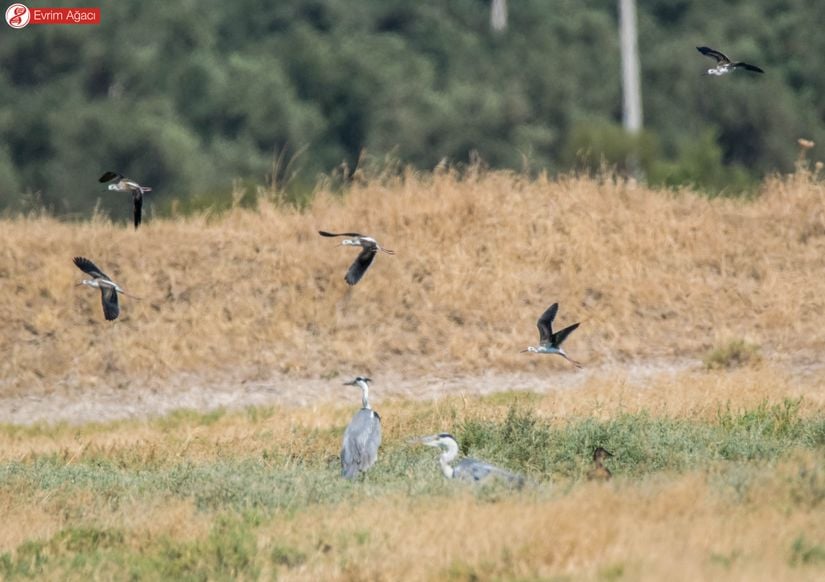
(549, 342)
(369, 248)
(723, 64)
(123, 184)
(108, 288)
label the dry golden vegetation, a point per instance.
(257, 294)
(716, 477)
(718, 463)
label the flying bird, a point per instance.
(724, 64)
(599, 472)
(369, 248)
(122, 184)
(467, 469)
(549, 342)
(108, 288)
(363, 435)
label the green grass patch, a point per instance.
(242, 493)
(804, 553)
(733, 354)
(641, 443)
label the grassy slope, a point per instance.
(258, 292)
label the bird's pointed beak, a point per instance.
(524, 350)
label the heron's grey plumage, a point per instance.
(468, 469)
(362, 438)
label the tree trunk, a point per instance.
(498, 15)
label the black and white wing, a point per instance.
(362, 262)
(748, 67)
(109, 176)
(714, 54)
(111, 309)
(353, 234)
(545, 323)
(90, 268)
(137, 202)
(560, 336)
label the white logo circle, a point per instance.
(18, 15)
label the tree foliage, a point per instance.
(189, 96)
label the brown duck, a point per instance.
(599, 472)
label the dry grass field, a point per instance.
(719, 466)
(258, 294)
(718, 478)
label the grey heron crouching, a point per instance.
(363, 435)
(467, 469)
(369, 248)
(108, 288)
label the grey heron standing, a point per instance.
(363, 435)
(724, 64)
(123, 184)
(599, 472)
(108, 288)
(549, 342)
(467, 469)
(369, 248)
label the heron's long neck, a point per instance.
(365, 395)
(448, 457)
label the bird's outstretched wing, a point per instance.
(714, 54)
(560, 336)
(90, 268)
(325, 233)
(137, 201)
(109, 176)
(748, 67)
(545, 323)
(362, 262)
(108, 296)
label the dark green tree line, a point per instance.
(189, 96)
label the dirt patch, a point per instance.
(137, 400)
